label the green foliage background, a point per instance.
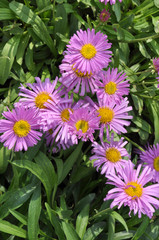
(60, 196)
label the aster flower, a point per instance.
(39, 94)
(156, 64)
(82, 124)
(110, 155)
(57, 117)
(87, 51)
(112, 115)
(74, 79)
(112, 86)
(130, 190)
(111, 1)
(19, 128)
(104, 15)
(151, 158)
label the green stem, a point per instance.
(133, 143)
(137, 39)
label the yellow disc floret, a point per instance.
(42, 98)
(21, 128)
(106, 114)
(65, 114)
(133, 189)
(156, 163)
(88, 51)
(110, 88)
(81, 74)
(83, 125)
(113, 155)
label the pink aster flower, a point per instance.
(110, 156)
(88, 51)
(39, 93)
(156, 64)
(82, 124)
(112, 86)
(130, 190)
(151, 157)
(111, 1)
(104, 15)
(112, 115)
(19, 128)
(73, 79)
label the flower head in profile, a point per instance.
(88, 51)
(109, 1)
(39, 93)
(151, 158)
(82, 124)
(130, 190)
(104, 15)
(110, 155)
(112, 86)
(20, 128)
(73, 79)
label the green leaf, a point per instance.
(6, 14)
(4, 157)
(34, 214)
(122, 235)
(22, 46)
(55, 222)
(142, 124)
(70, 232)
(118, 217)
(82, 221)
(143, 50)
(4, 4)
(29, 57)
(141, 230)
(5, 63)
(20, 217)
(94, 231)
(9, 228)
(111, 227)
(29, 17)
(156, 2)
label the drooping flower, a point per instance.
(151, 158)
(113, 116)
(112, 86)
(88, 51)
(39, 93)
(130, 190)
(82, 124)
(110, 155)
(156, 64)
(19, 128)
(74, 79)
(109, 1)
(104, 15)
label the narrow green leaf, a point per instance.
(22, 46)
(70, 232)
(5, 63)
(94, 231)
(4, 4)
(4, 157)
(141, 230)
(12, 229)
(111, 228)
(29, 17)
(55, 222)
(20, 217)
(82, 221)
(6, 14)
(29, 57)
(34, 214)
(118, 217)
(156, 3)
(142, 124)
(122, 235)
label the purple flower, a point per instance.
(111, 1)
(110, 155)
(130, 191)
(112, 86)
(151, 157)
(87, 51)
(104, 15)
(19, 128)
(156, 64)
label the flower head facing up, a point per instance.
(110, 156)
(151, 157)
(109, 1)
(39, 93)
(130, 190)
(112, 85)
(104, 15)
(19, 128)
(88, 51)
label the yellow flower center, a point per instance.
(110, 88)
(88, 51)
(106, 114)
(81, 74)
(83, 125)
(156, 163)
(65, 114)
(133, 189)
(113, 155)
(42, 98)
(21, 128)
